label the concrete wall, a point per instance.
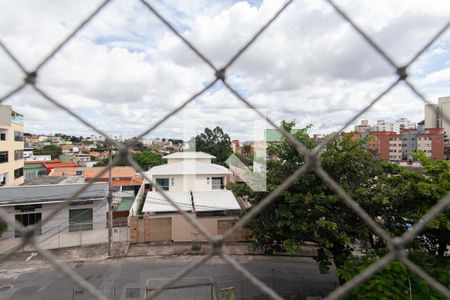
(60, 222)
(182, 230)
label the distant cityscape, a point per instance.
(24, 156)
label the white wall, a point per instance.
(177, 160)
(186, 183)
(61, 220)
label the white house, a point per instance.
(190, 171)
(198, 186)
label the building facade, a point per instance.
(11, 147)
(198, 188)
(435, 114)
(29, 204)
(396, 147)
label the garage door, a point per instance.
(160, 229)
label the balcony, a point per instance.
(16, 118)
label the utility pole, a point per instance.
(110, 221)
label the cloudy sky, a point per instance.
(125, 69)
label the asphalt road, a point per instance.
(291, 277)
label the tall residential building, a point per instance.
(11, 146)
(382, 125)
(396, 126)
(434, 114)
(363, 127)
(392, 146)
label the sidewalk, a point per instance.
(98, 253)
(168, 249)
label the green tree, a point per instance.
(52, 150)
(309, 211)
(215, 142)
(146, 159)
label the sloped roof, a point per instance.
(215, 201)
(188, 167)
(188, 155)
(155, 202)
(35, 194)
(203, 201)
(65, 171)
(136, 180)
(59, 164)
(116, 172)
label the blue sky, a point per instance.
(126, 70)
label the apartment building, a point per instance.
(11, 147)
(432, 142)
(396, 126)
(434, 114)
(392, 146)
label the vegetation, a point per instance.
(393, 196)
(215, 142)
(146, 159)
(53, 150)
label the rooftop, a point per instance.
(214, 201)
(155, 202)
(42, 180)
(52, 165)
(53, 193)
(125, 204)
(117, 172)
(201, 202)
(188, 155)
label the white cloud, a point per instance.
(126, 70)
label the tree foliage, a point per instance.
(215, 142)
(146, 159)
(53, 150)
(309, 211)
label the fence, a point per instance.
(230, 287)
(396, 245)
(61, 236)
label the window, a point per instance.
(80, 219)
(172, 181)
(18, 136)
(163, 183)
(3, 179)
(18, 154)
(18, 173)
(27, 220)
(2, 136)
(217, 183)
(3, 157)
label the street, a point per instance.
(126, 278)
